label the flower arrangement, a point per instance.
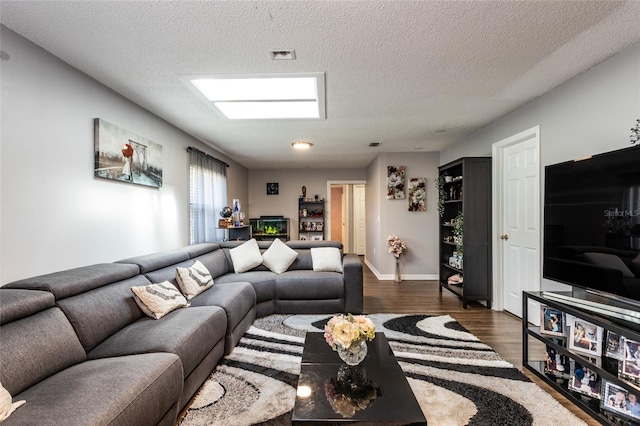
(397, 247)
(345, 330)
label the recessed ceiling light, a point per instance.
(301, 145)
(264, 96)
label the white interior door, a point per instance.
(518, 197)
(359, 219)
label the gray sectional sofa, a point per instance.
(76, 346)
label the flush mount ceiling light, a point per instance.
(301, 145)
(264, 96)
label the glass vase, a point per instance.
(397, 277)
(354, 354)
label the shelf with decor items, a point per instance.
(464, 205)
(310, 219)
(585, 349)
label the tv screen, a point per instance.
(592, 223)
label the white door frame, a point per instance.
(497, 192)
(327, 207)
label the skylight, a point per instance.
(267, 96)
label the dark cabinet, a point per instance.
(310, 219)
(464, 188)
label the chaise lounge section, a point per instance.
(77, 347)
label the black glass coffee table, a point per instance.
(375, 391)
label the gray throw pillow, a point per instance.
(609, 261)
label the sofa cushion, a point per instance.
(79, 280)
(127, 390)
(194, 280)
(97, 314)
(157, 300)
(189, 333)
(151, 262)
(246, 256)
(35, 348)
(278, 257)
(16, 304)
(263, 282)
(326, 259)
(609, 261)
(309, 285)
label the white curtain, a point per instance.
(207, 195)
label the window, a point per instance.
(207, 195)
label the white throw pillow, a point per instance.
(246, 256)
(7, 406)
(327, 259)
(279, 256)
(157, 300)
(194, 280)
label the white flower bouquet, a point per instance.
(345, 330)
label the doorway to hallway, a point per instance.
(345, 215)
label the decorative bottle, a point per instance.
(236, 212)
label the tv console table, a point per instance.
(536, 346)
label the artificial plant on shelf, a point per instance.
(439, 181)
(458, 233)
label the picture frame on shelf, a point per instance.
(619, 400)
(613, 347)
(557, 364)
(303, 237)
(584, 380)
(316, 238)
(585, 337)
(629, 368)
(552, 321)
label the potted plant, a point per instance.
(439, 181)
(458, 234)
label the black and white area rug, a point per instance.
(457, 379)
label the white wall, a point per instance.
(54, 213)
(290, 182)
(385, 217)
(590, 114)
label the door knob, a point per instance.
(504, 237)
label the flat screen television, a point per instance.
(592, 223)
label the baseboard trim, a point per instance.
(405, 277)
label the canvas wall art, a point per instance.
(395, 183)
(125, 156)
(417, 195)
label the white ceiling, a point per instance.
(397, 72)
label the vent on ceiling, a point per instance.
(374, 144)
(283, 55)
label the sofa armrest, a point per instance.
(353, 284)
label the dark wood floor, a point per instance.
(502, 331)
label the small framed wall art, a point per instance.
(272, 188)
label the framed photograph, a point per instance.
(316, 237)
(584, 380)
(272, 188)
(126, 157)
(556, 364)
(303, 237)
(630, 365)
(620, 401)
(613, 348)
(585, 337)
(551, 321)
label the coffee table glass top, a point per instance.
(375, 391)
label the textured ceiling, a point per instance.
(397, 73)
